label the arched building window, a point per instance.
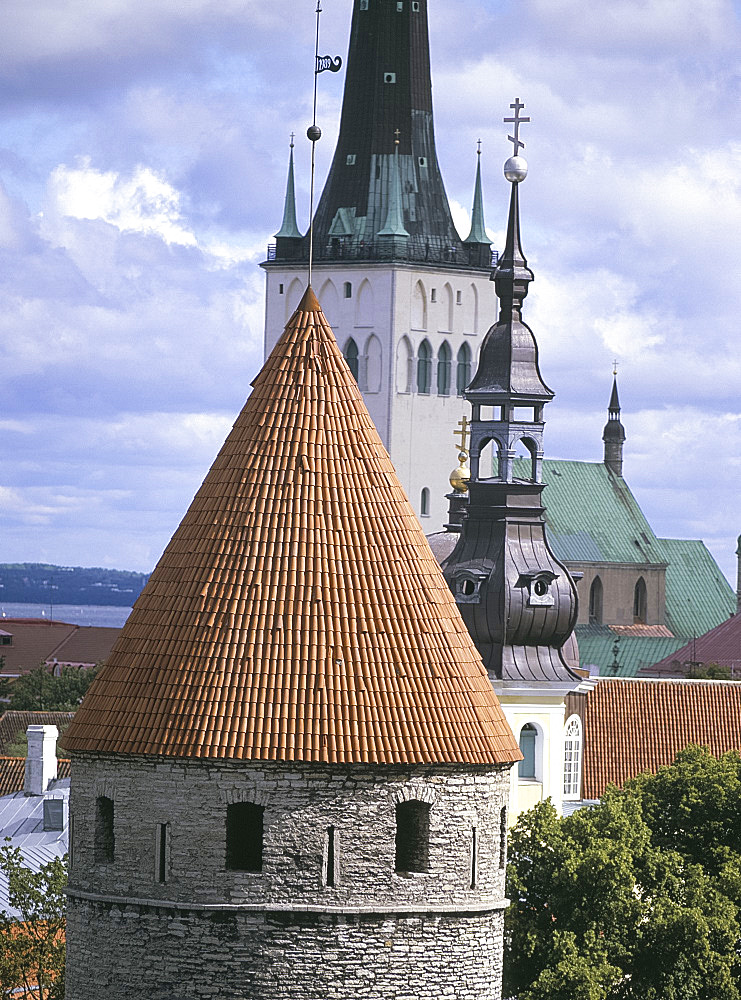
(424, 368)
(528, 740)
(419, 307)
(640, 603)
(424, 503)
(351, 356)
(572, 758)
(404, 366)
(373, 360)
(595, 601)
(412, 836)
(444, 364)
(463, 369)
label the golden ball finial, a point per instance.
(460, 477)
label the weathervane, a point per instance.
(314, 133)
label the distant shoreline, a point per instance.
(98, 615)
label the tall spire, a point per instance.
(289, 229)
(478, 227)
(387, 86)
(518, 601)
(614, 432)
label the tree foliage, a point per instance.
(40, 690)
(637, 898)
(32, 947)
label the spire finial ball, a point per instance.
(314, 133)
(515, 169)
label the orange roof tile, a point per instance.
(633, 725)
(298, 612)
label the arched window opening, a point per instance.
(448, 305)
(412, 836)
(419, 307)
(595, 602)
(475, 303)
(373, 364)
(528, 739)
(640, 603)
(404, 366)
(105, 843)
(572, 758)
(489, 460)
(295, 290)
(365, 307)
(347, 288)
(330, 303)
(424, 368)
(244, 836)
(463, 369)
(351, 356)
(526, 459)
(424, 503)
(444, 365)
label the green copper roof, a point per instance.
(596, 643)
(289, 229)
(478, 227)
(395, 218)
(593, 517)
(698, 596)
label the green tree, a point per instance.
(634, 899)
(40, 690)
(32, 947)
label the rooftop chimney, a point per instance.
(41, 762)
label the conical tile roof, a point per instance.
(298, 613)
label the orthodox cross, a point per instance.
(479, 149)
(615, 367)
(397, 133)
(463, 434)
(293, 136)
(517, 107)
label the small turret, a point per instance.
(614, 433)
(477, 242)
(289, 236)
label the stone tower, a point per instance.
(403, 293)
(290, 780)
(517, 599)
(614, 433)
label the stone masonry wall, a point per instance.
(208, 932)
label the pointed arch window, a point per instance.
(352, 357)
(444, 364)
(463, 369)
(640, 603)
(404, 366)
(595, 602)
(528, 739)
(572, 745)
(424, 503)
(424, 368)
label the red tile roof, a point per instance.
(633, 725)
(298, 612)
(13, 773)
(37, 641)
(721, 645)
(13, 724)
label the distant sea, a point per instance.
(75, 614)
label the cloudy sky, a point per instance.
(142, 166)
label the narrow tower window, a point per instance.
(105, 845)
(463, 369)
(364, 4)
(412, 837)
(595, 602)
(444, 364)
(348, 289)
(424, 368)
(389, 77)
(474, 857)
(244, 837)
(330, 857)
(640, 603)
(415, 6)
(424, 503)
(503, 837)
(351, 356)
(161, 852)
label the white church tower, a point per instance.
(405, 295)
